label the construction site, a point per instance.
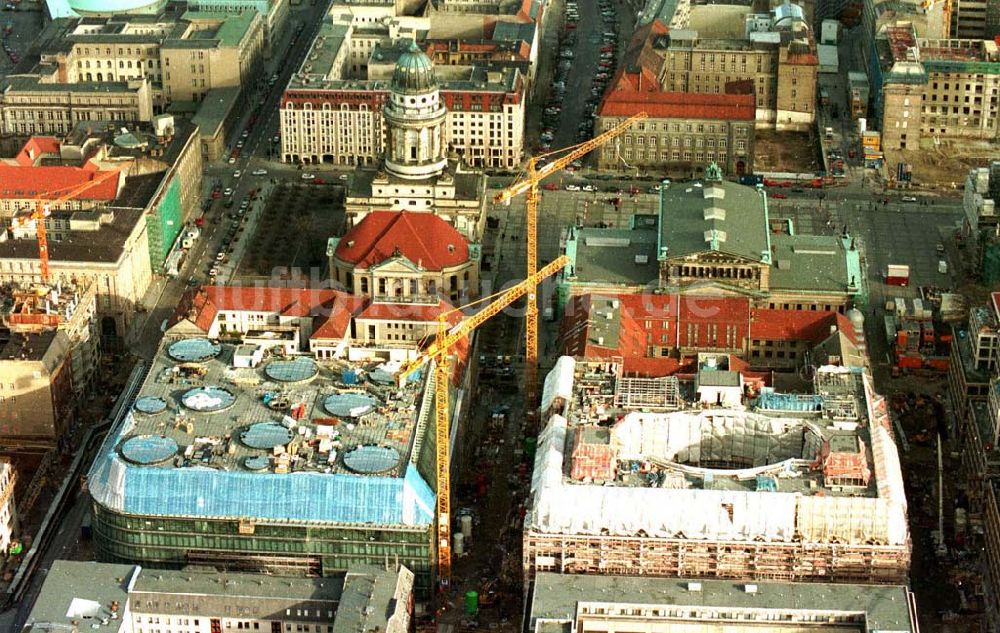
(274, 464)
(774, 486)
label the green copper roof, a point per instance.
(414, 71)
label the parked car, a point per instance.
(308, 176)
(259, 172)
(572, 187)
(237, 174)
(779, 195)
(589, 188)
(551, 186)
(228, 191)
(909, 199)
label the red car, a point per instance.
(551, 186)
(633, 190)
(200, 222)
(779, 195)
(570, 26)
(216, 194)
(319, 181)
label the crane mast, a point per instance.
(439, 352)
(528, 185)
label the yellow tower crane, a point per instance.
(528, 185)
(439, 352)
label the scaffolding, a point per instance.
(648, 394)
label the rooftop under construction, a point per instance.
(322, 459)
(773, 485)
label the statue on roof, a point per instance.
(713, 173)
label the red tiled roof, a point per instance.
(408, 312)
(678, 105)
(647, 321)
(798, 325)
(35, 147)
(332, 309)
(335, 323)
(423, 238)
(28, 182)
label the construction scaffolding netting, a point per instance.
(216, 493)
(560, 506)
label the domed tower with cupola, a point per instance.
(415, 117)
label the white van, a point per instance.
(942, 267)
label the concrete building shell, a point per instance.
(729, 530)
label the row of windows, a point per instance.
(698, 157)
(685, 141)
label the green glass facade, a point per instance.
(284, 549)
(164, 224)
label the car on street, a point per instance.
(633, 190)
(308, 176)
(213, 272)
(228, 191)
(275, 139)
(259, 172)
(909, 199)
(245, 133)
(220, 256)
(572, 187)
(779, 195)
(237, 174)
(940, 248)
(589, 188)
(216, 194)
(550, 186)
(232, 160)
(344, 176)
(239, 144)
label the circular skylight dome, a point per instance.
(193, 350)
(265, 435)
(208, 399)
(148, 450)
(256, 462)
(296, 370)
(350, 405)
(150, 405)
(371, 460)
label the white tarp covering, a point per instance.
(558, 382)
(713, 435)
(559, 506)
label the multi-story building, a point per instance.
(683, 133)
(8, 509)
(71, 308)
(716, 234)
(304, 319)
(776, 50)
(663, 605)
(933, 90)
(417, 172)
(39, 104)
(405, 257)
(775, 486)
(125, 598)
(329, 116)
(47, 168)
(253, 508)
(974, 358)
(36, 388)
(274, 13)
(212, 50)
(930, 19)
(659, 334)
(127, 67)
(32, 178)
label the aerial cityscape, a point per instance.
(514, 316)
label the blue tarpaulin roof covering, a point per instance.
(772, 401)
(212, 493)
